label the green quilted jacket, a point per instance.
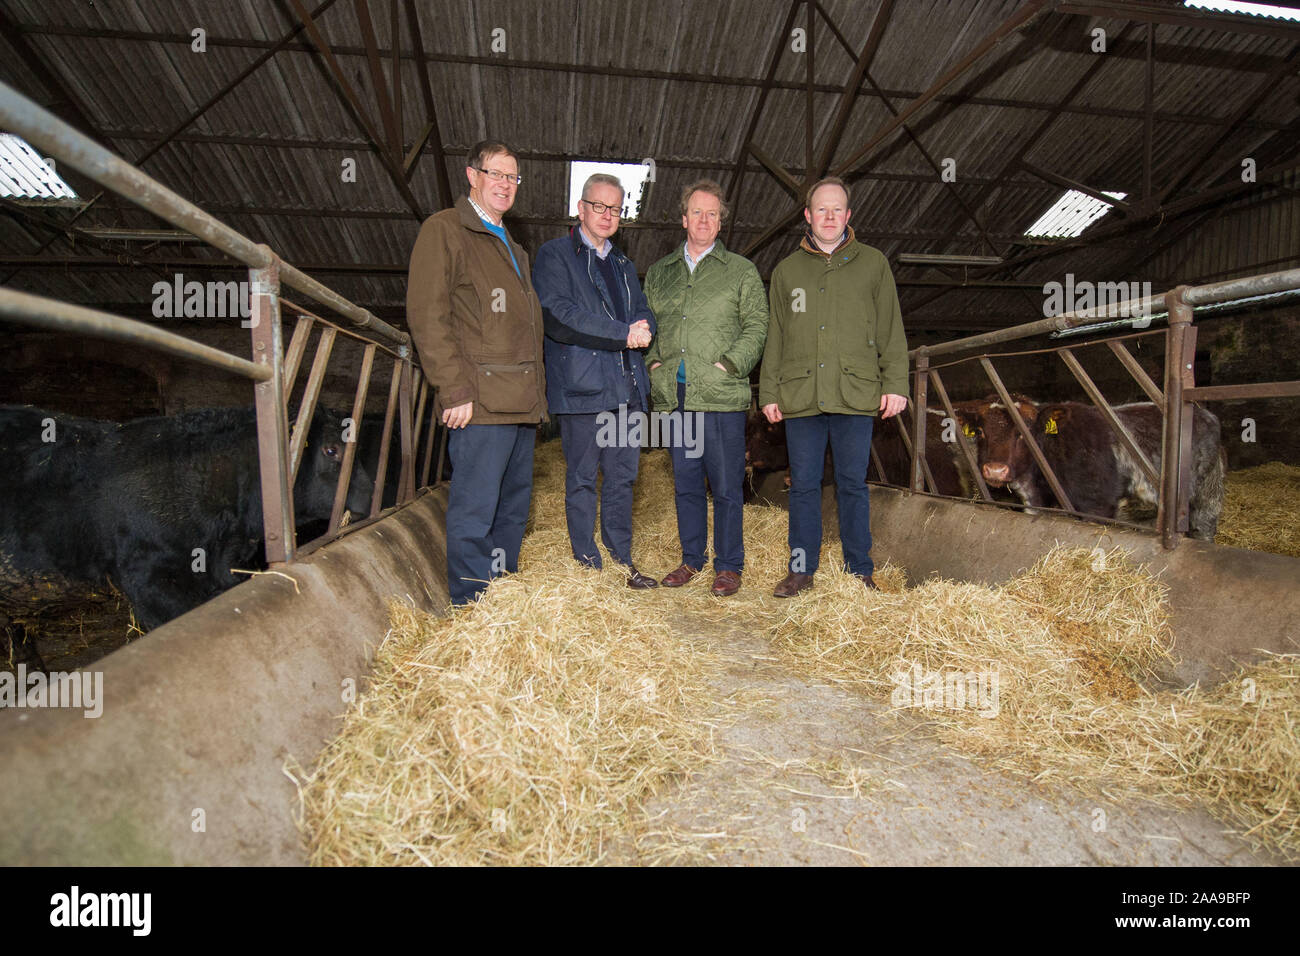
(716, 314)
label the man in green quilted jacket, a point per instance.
(711, 315)
(836, 357)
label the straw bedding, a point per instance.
(530, 727)
(1261, 509)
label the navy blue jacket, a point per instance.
(586, 345)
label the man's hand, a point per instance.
(459, 416)
(721, 366)
(654, 366)
(638, 335)
(773, 413)
(891, 405)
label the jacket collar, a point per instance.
(469, 218)
(719, 251)
(578, 246)
(808, 244)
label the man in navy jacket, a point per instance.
(597, 322)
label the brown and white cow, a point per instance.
(1095, 469)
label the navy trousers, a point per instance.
(850, 441)
(487, 508)
(582, 458)
(723, 463)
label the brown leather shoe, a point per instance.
(725, 584)
(793, 584)
(640, 582)
(682, 575)
(867, 582)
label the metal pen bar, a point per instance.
(1225, 291)
(390, 410)
(293, 356)
(65, 317)
(350, 447)
(51, 135)
(278, 529)
(1094, 393)
(962, 442)
(310, 395)
(1016, 419)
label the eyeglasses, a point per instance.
(499, 176)
(600, 208)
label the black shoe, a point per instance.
(640, 582)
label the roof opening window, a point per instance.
(1253, 9)
(1071, 214)
(27, 178)
(632, 175)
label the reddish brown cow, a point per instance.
(952, 476)
(1095, 469)
(1004, 459)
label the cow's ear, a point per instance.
(1028, 412)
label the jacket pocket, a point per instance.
(796, 388)
(859, 386)
(663, 386)
(508, 389)
(582, 373)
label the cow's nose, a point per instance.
(994, 471)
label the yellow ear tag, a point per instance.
(1051, 426)
(968, 431)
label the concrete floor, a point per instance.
(816, 774)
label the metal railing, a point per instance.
(273, 368)
(1174, 398)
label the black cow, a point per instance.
(131, 504)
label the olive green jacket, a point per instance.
(835, 342)
(716, 314)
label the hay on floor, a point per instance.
(531, 727)
(1047, 676)
(1261, 509)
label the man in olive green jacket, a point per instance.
(477, 325)
(836, 356)
(711, 317)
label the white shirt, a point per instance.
(692, 263)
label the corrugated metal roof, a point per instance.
(677, 82)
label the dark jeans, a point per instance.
(582, 457)
(487, 508)
(723, 463)
(850, 441)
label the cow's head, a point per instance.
(322, 460)
(1004, 457)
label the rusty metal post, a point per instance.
(919, 416)
(381, 472)
(406, 481)
(350, 447)
(272, 418)
(1178, 369)
(963, 442)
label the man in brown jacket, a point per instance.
(477, 325)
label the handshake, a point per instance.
(638, 334)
